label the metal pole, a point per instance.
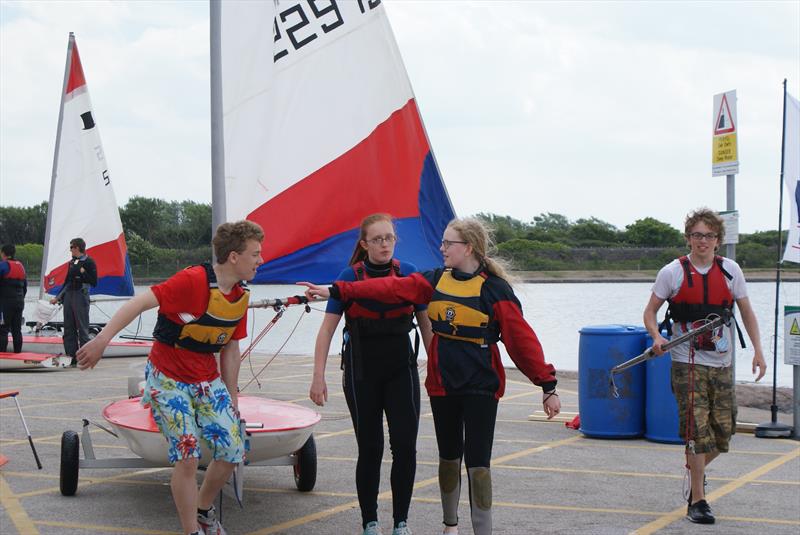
(218, 215)
(796, 408)
(730, 252)
(773, 429)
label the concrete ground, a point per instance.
(547, 478)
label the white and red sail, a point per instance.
(321, 128)
(82, 202)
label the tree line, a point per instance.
(164, 236)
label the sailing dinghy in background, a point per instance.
(321, 128)
(82, 204)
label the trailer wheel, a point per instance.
(305, 471)
(69, 463)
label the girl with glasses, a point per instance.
(471, 305)
(380, 372)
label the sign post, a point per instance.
(725, 151)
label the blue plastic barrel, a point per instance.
(661, 409)
(601, 348)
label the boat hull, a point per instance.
(274, 429)
(27, 361)
(54, 345)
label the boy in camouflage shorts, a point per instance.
(699, 287)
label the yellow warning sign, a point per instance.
(723, 149)
(795, 328)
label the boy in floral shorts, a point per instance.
(201, 311)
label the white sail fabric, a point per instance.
(321, 128)
(82, 202)
(791, 176)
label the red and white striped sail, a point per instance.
(82, 202)
(321, 128)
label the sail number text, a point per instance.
(302, 26)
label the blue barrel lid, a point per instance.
(616, 330)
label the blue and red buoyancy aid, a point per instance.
(376, 332)
(13, 283)
(372, 318)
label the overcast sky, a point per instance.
(579, 108)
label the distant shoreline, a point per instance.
(552, 277)
(537, 277)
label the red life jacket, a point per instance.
(701, 295)
(372, 318)
(13, 283)
(16, 271)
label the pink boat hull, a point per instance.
(54, 345)
(274, 428)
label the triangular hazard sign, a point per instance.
(724, 123)
(795, 328)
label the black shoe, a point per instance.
(700, 513)
(73, 363)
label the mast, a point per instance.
(53, 176)
(218, 215)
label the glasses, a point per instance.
(73, 246)
(447, 243)
(700, 236)
(380, 240)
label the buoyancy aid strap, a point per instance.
(718, 260)
(687, 271)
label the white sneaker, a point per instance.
(209, 524)
(372, 528)
(402, 529)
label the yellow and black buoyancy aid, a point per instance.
(210, 332)
(455, 311)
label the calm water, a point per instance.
(556, 311)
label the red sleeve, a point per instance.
(186, 291)
(414, 288)
(522, 344)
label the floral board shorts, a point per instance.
(714, 408)
(187, 413)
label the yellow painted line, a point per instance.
(95, 481)
(14, 509)
(98, 527)
(679, 513)
(279, 528)
(41, 439)
(61, 403)
(334, 434)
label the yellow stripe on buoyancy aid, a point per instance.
(215, 327)
(454, 309)
(210, 332)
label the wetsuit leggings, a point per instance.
(396, 394)
(12, 323)
(76, 320)
(465, 428)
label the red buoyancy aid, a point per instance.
(16, 271)
(701, 295)
(13, 283)
(371, 318)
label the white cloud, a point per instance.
(586, 109)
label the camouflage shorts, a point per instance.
(714, 405)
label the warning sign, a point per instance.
(724, 147)
(791, 335)
(724, 123)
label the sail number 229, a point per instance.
(303, 21)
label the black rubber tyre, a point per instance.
(305, 471)
(68, 482)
